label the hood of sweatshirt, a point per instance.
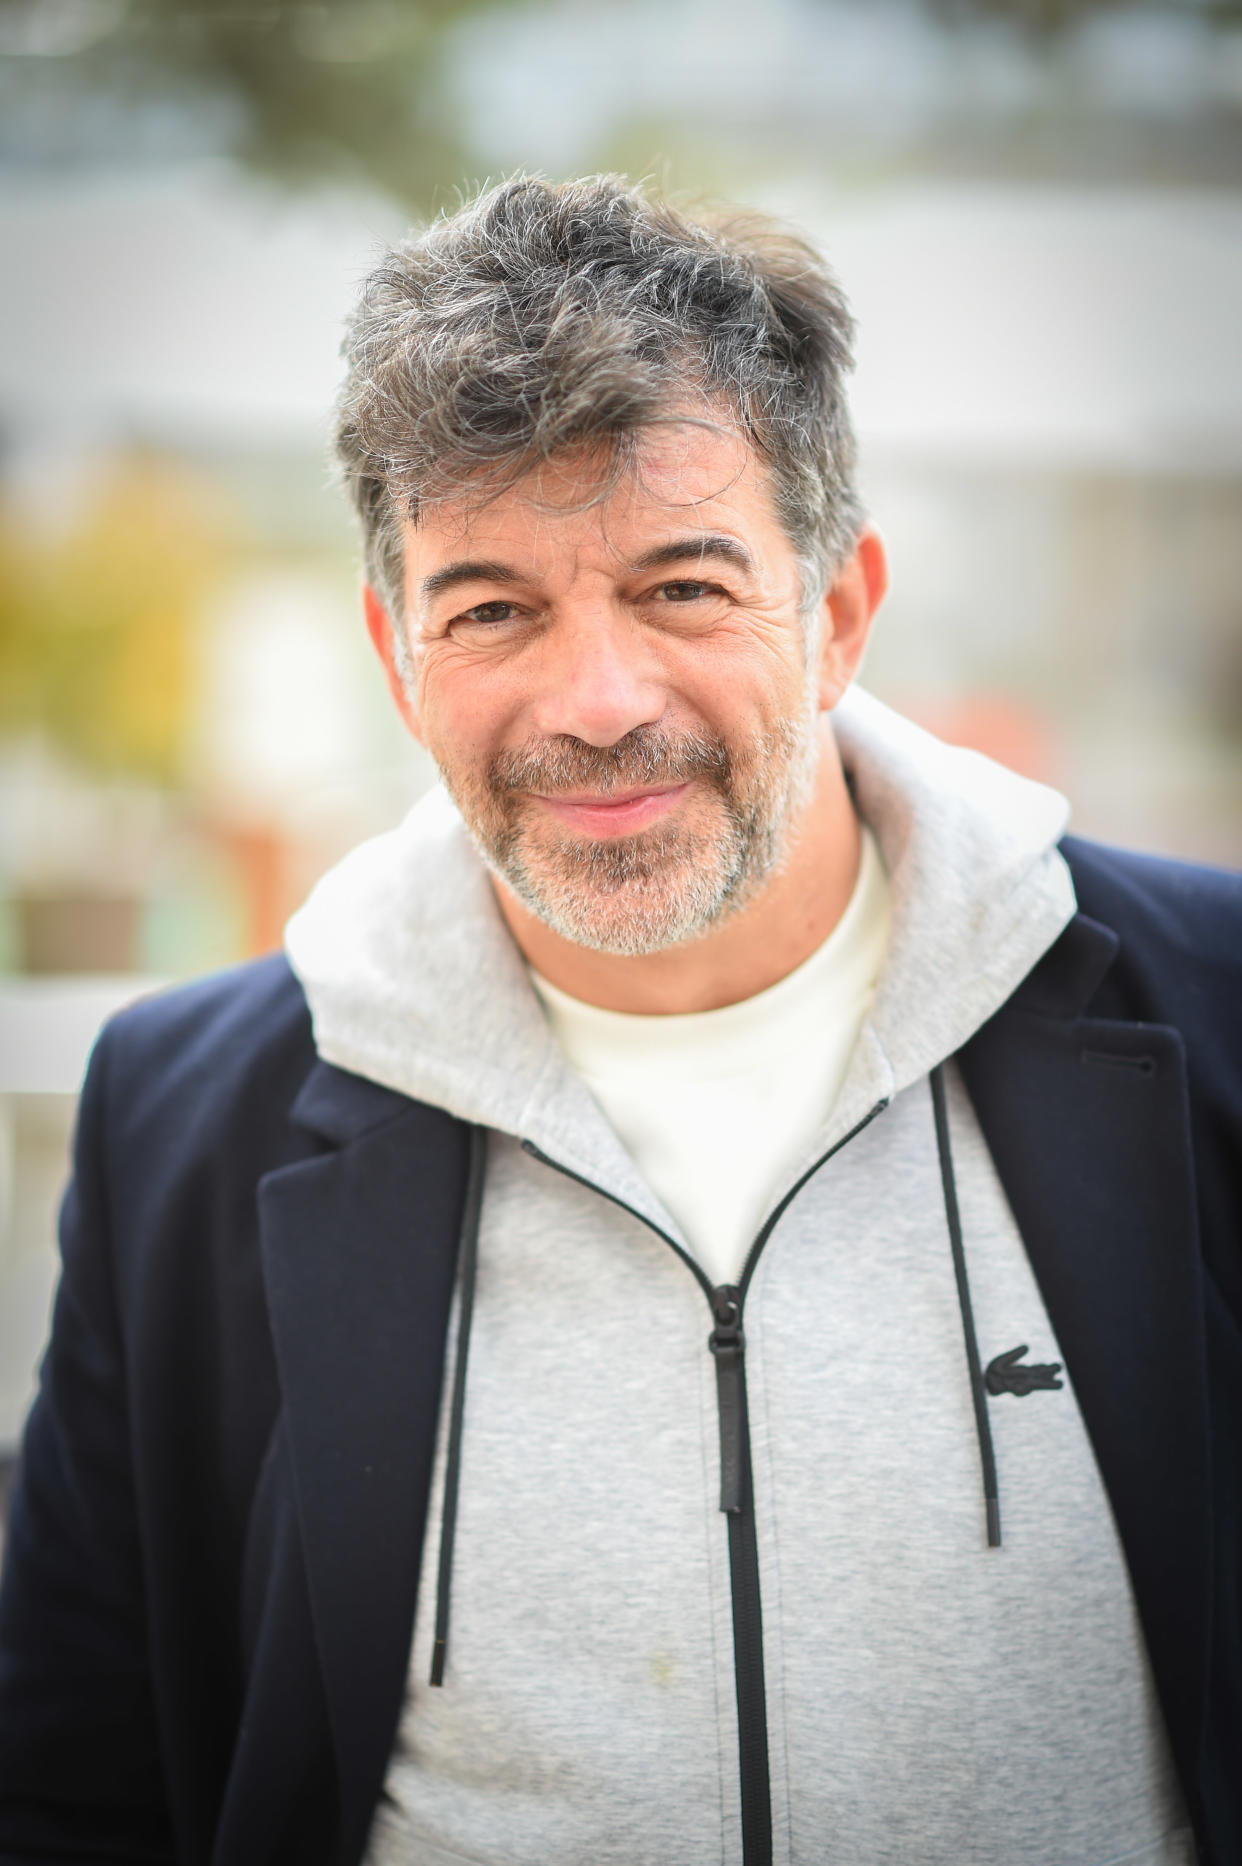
(414, 981)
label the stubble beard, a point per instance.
(638, 894)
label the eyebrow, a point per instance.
(702, 548)
(467, 570)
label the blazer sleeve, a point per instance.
(80, 1770)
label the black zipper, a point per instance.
(737, 1500)
(727, 1342)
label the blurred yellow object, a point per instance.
(96, 619)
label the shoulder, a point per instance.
(1179, 925)
(262, 997)
(1164, 911)
(1175, 903)
(218, 1030)
(185, 1071)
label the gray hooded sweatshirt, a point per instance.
(927, 1700)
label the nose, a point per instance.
(599, 680)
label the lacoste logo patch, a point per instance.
(1006, 1375)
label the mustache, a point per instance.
(644, 756)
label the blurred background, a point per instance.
(1034, 205)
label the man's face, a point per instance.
(617, 693)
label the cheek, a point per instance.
(463, 718)
(748, 691)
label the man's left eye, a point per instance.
(489, 612)
(682, 591)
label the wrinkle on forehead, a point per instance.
(664, 465)
(669, 467)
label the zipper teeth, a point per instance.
(753, 1255)
(756, 1249)
(753, 1763)
(754, 1768)
(537, 1153)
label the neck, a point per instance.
(752, 949)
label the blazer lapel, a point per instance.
(1087, 1121)
(359, 1251)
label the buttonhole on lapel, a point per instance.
(1145, 1065)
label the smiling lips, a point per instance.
(618, 814)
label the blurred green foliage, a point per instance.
(352, 89)
(1049, 17)
(347, 89)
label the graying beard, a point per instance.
(660, 909)
(712, 877)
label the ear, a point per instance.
(848, 608)
(380, 628)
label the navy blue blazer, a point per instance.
(214, 1544)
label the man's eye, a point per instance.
(683, 591)
(489, 612)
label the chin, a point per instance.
(635, 897)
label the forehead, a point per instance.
(683, 478)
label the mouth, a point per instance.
(619, 813)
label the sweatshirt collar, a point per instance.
(979, 888)
(415, 983)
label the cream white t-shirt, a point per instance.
(716, 1106)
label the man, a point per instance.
(694, 1316)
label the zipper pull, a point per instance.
(728, 1344)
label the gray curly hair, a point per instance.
(544, 316)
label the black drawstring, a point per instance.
(468, 1258)
(982, 1423)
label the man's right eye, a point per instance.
(489, 612)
